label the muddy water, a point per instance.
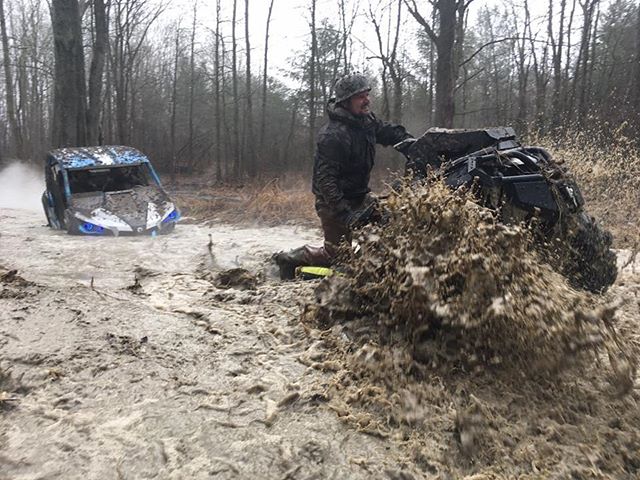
(120, 358)
(55, 258)
(171, 378)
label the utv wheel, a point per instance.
(589, 263)
(49, 211)
(170, 227)
(72, 225)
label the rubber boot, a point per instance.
(298, 257)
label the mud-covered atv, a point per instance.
(522, 184)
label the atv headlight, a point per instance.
(91, 229)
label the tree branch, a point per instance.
(492, 42)
(420, 19)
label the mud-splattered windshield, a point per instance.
(111, 179)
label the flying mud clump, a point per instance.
(458, 290)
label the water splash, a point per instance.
(21, 187)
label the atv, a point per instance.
(521, 184)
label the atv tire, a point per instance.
(587, 259)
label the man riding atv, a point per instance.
(344, 158)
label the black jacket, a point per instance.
(345, 154)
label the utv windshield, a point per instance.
(112, 179)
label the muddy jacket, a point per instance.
(344, 156)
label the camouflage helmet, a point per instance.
(350, 85)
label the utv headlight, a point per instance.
(173, 216)
(91, 229)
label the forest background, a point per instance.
(196, 86)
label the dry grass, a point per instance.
(268, 203)
(606, 165)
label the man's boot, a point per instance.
(305, 255)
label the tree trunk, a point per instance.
(397, 74)
(229, 159)
(312, 82)
(248, 118)
(524, 67)
(556, 57)
(390, 65)
(593, 49)
(448, 42)
(96, 70)
(236, 99)
(37, 136)
(192, 69)
(540, 77)
(216, 89)
(568, 98)
(69, 105)
(174, 107)
(398, 93)
(386, 106)
(16, 132)
(345, 36)
(445, 105)
(582, 64)
(132, 20)
(290, 135)
(263, 114)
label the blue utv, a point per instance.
(111, 190)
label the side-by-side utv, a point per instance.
(110, 190)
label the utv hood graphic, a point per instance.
(140, 210)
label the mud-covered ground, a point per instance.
(167, 376)
(128, 358)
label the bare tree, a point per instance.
(132, 20)
(216, 93)
(540, 74)
(192, 82)
(312, 80)
(35, 46)
(236, 100)
(174, 104)
(389, 57)
(451, 16)
(265, 70)
(523, 62)
(96, 70)
(557, 43)
(583, 61)
(16, 131)
(69, 106)
(248, 118)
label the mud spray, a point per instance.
(21, 187)
(455, 338)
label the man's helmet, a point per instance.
(350, 85)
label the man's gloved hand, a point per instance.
(415, 167)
